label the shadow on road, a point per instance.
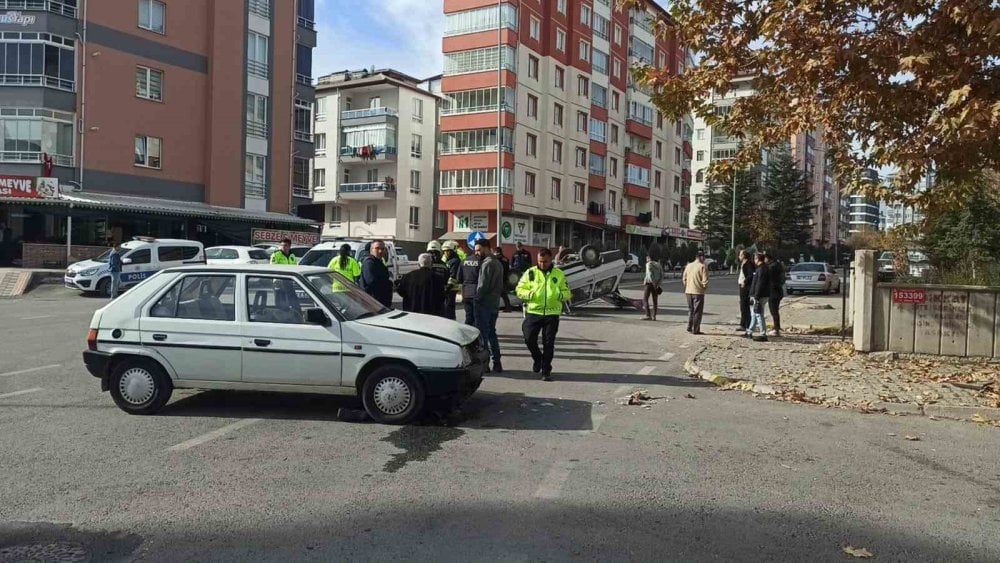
(248, 404)
(669, 380)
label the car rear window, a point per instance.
(317, 258)
(257, 254)
(221, 254)
(809, 268)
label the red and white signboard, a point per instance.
(258, 236)
(902, 296)
(18, 186)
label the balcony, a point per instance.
(473, 190)
(636, 191)
(30, 157)
(260, 7)
(305, 22)
(687, 150)
(53, 6)
(37, 80)
(258, 69)
(254, 190)
(368, 190)
(368, 153)
(369, 113)
(304, 136)
(685, 177)
(595, 213)
(257, 129)
(302, 191)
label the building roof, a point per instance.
(359, 78)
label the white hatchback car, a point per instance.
(295, 329)
(236, 255)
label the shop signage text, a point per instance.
(466, 222)
(516, 229)
(19, 186)
(643, 231)
(259, 236)
(902, 296)
(16, 18)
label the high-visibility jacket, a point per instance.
(543, 293)
(461, 255)
(278, 257)
(351, 271)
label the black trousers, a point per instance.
(773, 304)
(744, 308)
(548, 326)
(696, 307)
(506, 300)
(470, 311)
(449, 305)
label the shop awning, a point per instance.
(87, 200)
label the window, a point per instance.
(371, 213)
(617, 70)
(479, 100)
(614, 134)
(614, 167)
(700, 134)
(277, 300)
(557, 152)
(535, 29)
(656, 179)
(372, 175)
(599, 95)
(478, 60)
(585, 14)
(583, 86)
(149, 83)
(320, 108)
(618, 34)
(532, 106)
(600, 62)
(143, 256)
(602, 26)
(476, 140)
(677, 156)
(641, 113)
(529, 184)
(597, 165)
(700, 155)
(320, 143)
(176, 253)
(418, 110)
(479, 180)
(557, 114)
(584, 51)
(255, 176)
(700, 175)
(659, 120)
(257, 54)
(532, 67)
(147, 151)
(440, 220)
(581, 157)
(37, 59)
(640, 50)
(656, 208)
(613, 200)
(414, 217)
(663, 59)
(581, 121)
(415, 181)
(677, 128)
(481, 19)
(560, 78)
(336, 214)
(579, 192)
(677, 212)
(615, 100)
(598, 131)
(210, 298)
(637, 175)
(257, 115)
(375, 102)
(531, 145)
(560, 40)
(319, 178)
(556, 189)
(561, 6)
(416, 146)
(151, 15)
(677, 184)
(659, 149)
(300, 176)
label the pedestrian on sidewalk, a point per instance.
(375, 278)
(760, 290)
(488, 291)
(115, 263)
(776, 271)
(544, 290)
(498, 254)
(468, 276)
(744, 279)
(651, 287)
(695, 281)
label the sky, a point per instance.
(401, 34)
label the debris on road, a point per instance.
(637, 398)
(859, 552)
(690, 396)
(912, 438)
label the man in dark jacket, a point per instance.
(423, 289)
(375, 278)
(521, 261)
(468, 276)
(760, 289)
(498, 254)
(488, 291)
(744, 280)
(777, 274)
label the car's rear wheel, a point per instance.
(140, 386)
(393, 394)
(590, 256)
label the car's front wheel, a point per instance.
(393, 394)
(140, 386)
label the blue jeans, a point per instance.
(116, 280)
(757, 316)
(486, 322)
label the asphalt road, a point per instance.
(527, 471)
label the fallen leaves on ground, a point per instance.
(860, 552)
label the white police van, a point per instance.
(141, 257)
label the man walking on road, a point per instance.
(744, 279)
(115, 263)
(488, 292)
(543, 290)
(375, 278)
(777, 274)
(498, 254)
(284, 254)
(760, 289)
(695, 281)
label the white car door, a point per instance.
(279, 346)
(137, 265)
(193, 326)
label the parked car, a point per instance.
(141, 258)
(277, 328)
(298, 250)
(632, 263)
(236, 255)
(812, 276)
(711, 264)
(322, 253)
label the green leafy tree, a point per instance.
(966, 240)
(715, 218)
(787, 199)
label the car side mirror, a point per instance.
(316, 316)
(126, 260)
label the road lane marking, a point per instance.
(213, 435)
(551, 486)
(666, 357)
(38, 317)
(29, 370)
(646, 370)
(16, 393)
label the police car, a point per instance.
(141, 258)
(297, 329)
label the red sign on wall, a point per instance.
(18, 186)
(902, 296)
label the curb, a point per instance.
(968, 414)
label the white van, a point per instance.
(322, 253)
(141, 258)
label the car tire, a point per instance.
(140, 386)
(393, 394)
(837, 291)
(590, 256)
(633, 268)
(103, 287)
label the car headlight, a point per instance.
(89, 271)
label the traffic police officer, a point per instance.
(468, 276)
(284, 254)
(543, 289)
(345, 264)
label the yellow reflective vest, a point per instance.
(278, 257)
(351, 271)
(543, 293)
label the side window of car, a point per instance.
(169, 253)
(277, 300)
(229, 254)
(141, 256)
(199, 297)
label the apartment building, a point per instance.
(375, 161)
(542, 124)
(807, 148)
(864, 215)
(176, 118)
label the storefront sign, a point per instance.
(47, 187)
(516, 229)
(643, 231)
(613, 220)
(18, 186)
(259, 236)
(902, 296)
(16, 18)
(480, 222)
(689, 234)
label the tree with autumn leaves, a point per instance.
(910, 84)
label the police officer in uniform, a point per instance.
(454, 263)
(468, 276)
(444, 273)
(544, 290)
(284, 254)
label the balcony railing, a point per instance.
(255, 190)
(368, 152)
(257, 129)
(475, 109)
(640, 150)
(34, 156)
(366, 187)
(260, 7)
(53, 6)
(473, 190)
(302, 191)
(303, 79)
(368, 112)
(476, 149)
(258, 69)
(304, 136)
(305, 22)
(37, 80)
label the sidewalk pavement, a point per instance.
(826, 371)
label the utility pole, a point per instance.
(499, 120)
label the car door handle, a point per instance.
(261, 342)
(159, 337)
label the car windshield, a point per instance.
(809, 268)
(345, 297)
(300, 251)
(103, 257)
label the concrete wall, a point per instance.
(54, 255)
